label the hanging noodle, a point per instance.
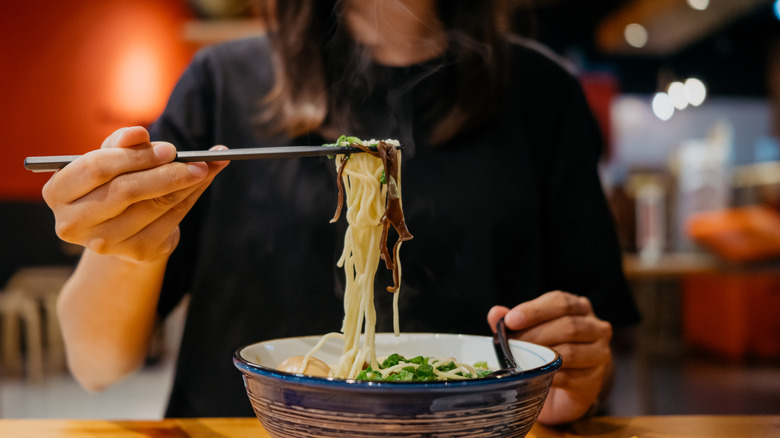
(367, 200)
(370, 185)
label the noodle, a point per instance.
(369, 202)
(370, 186)
(435, 363)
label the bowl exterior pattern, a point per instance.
(492, 408)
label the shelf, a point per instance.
(205, 32)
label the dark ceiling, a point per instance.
(730, 59)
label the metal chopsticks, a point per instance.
(56, 162)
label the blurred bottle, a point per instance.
(650, 220)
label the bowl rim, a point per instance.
(248, 367)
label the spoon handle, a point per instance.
(505, 357)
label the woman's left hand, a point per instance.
(566, 323)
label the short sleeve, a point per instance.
(185, 123)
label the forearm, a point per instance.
(107, 311)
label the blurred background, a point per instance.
(686, 93)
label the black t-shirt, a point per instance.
(499, 215)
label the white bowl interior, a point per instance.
(463, 348)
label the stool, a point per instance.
(37, 287)
(17, 307)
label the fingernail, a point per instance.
(198, 170)
(164, 152)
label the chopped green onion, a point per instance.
(419, 360)
(393, 360)
(447, 367)
(424, 372)
(342, 139)
(483, 372)
(418, 369)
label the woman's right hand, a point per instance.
(127, 198)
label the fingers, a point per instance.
(568, 329)
(128, 197)
(582, 342)
(494, 314)
(152, 240)
(124, 137)
(566, 323)
(562, 321)
(114, 197)
(583, 355)
(153, 220)
(147, 221)
(125, 150)
(545, 308)
(98, 167)
(159, 182)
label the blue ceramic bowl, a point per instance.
(294, 406)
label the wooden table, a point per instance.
(607, 427)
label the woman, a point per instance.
(501, 193)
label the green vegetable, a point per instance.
(483, 372)
(369, 374)
(393, 360)
(447, 367)
(419, 369)
(419, 360)
(424, 372)
(405, 375)
(342, 138)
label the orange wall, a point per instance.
(74, 71)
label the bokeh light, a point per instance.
(695, 91)
(676, 91)
(636, 35)
(699, 5)
(663, 108)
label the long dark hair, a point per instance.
(314, 56)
